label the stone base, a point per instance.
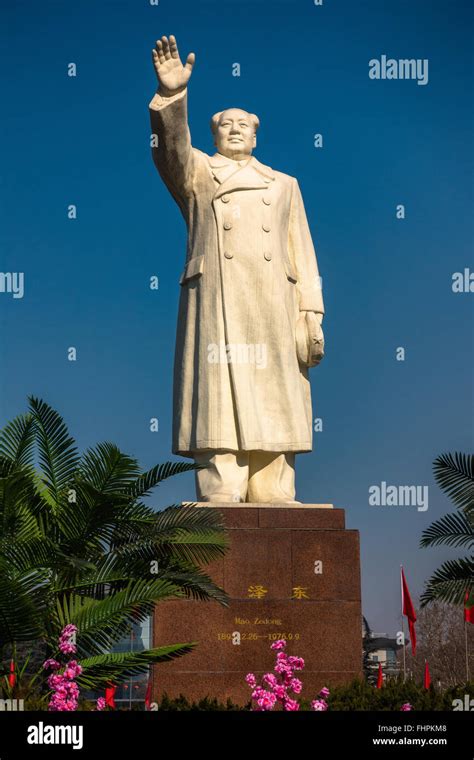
(291, 572)
(255, 505)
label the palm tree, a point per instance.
(78, 545)
(455, 475)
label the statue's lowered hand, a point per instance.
(172, 75)
(309, 339)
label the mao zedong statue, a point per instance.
(251, 307)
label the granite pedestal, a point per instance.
(293, 572)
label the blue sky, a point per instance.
(387, 282)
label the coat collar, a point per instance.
(230, 176)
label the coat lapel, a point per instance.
(229, 176)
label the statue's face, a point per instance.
(235, 135)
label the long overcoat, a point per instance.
(250, 270)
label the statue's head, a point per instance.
(235, 132)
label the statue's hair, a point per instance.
(215, 120)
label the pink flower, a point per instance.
(73, 669)
(291, 705)
(53, 664)
(66, 690)
(280, 692)
(297, 663)
(69, 630)
(274, 688)
(251, 680)
(282, 667)
(54, 681)
(66, 646)
(267, 700)
(270, 679)
(100, 704)
(324, 693)
(296, 685)
(319, 705)
(407, 706)
(280, 644)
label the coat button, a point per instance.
(266, 227)
(225, 199)
(228, 254)
(266, 201)
(227, 225)
(268, 255)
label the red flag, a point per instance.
(468, 608)
(380, 677)
(148, 696)
(109, 695)
(12, 676)
(426, 677)
(409, 610)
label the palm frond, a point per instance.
(35, 553)
(7, 466)
(179, 520)
(17, 440)
(148, 480)
(188, 533)
(115, 667)
(196, 584)
(17, 495)
(137, 554)
(449, 582)
(57, 450)
(108, 469)
(22, 598)
(455, 475)
(103, 622)
(453, 530)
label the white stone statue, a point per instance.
(251, 306)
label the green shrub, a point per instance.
(360, 696)
(356, 696)
(182, 703)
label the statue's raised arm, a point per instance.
(171, 148)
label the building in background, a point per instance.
(130, 693)
(378, 648)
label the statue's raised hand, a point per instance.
(172, 75)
